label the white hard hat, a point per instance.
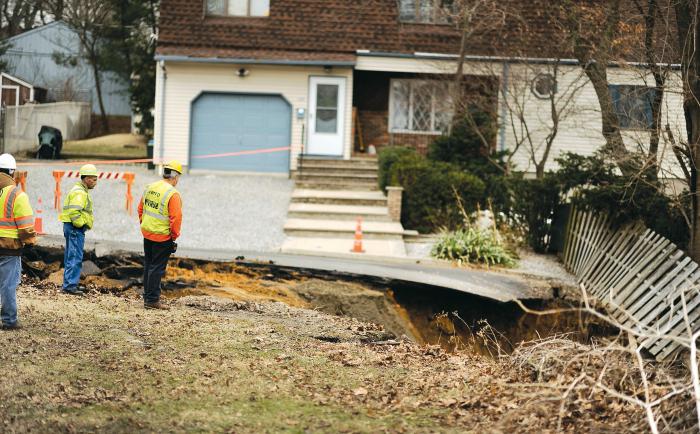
(7, 161)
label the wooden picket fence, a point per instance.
(641, 278)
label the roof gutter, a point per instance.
(500, 59)
(243, 61)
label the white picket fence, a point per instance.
(644, 280)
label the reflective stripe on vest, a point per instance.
(8, 222)
(156, 217)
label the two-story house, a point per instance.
(249, 85)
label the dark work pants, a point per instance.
(155, 260)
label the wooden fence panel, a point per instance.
(639, 276)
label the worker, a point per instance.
(160, 214)
(16, 231)
(77, 218)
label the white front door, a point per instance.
(326, 116)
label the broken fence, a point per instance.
(643, 279)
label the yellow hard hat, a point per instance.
(174, 165)
(88, 170)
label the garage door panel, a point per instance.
(229, 123)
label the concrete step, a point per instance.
(329, 184)
(339, 197)
(342, 229)
(337, 212)
(336, 176)
(318, 166)
(310, 245)
(337, 162)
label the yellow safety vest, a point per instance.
(156, 218)
(77, 207)
(16, 212)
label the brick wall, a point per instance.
(375, 131)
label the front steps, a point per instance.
(330, 195)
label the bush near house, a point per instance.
(595, 184)
(430, 192)
(461, 162)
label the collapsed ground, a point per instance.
(227, 358)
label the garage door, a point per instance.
(225, 124)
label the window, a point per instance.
(632, 104)
(425, 11)
(239, 8)
(420, 106)
(544, 86)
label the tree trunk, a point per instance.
(687, 15)
(98, 88)
(597, 74)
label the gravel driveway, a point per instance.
(244, 212)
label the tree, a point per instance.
(687, 13)
(132, 44)
(91, 21)
(18, 16)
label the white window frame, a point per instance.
(435, 16)
(226, 14)
(412, 81)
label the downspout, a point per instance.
(161, 133)
(504, 106)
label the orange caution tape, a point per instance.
(153, 160)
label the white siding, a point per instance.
(580, 126)
(186, 81)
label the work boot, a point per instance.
(73, 291)
(157, 305)
(14, 326)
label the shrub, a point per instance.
(430, 190)
(535, 201)
(598, 187)
(468, 144)
(388, 157)
(472, 246)
(466, 147)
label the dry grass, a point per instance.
(113, 145)
(102, 363)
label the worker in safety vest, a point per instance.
(160, 214)
(77, 218)
(16, 231)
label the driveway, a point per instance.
(244, 212)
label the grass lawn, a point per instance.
(127, 146)
(102, 363)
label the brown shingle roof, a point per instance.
(327, 26)
(334, 29)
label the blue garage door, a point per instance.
(224, 124)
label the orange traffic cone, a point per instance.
(38, 221)
(357, 247)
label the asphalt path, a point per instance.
(483, 283)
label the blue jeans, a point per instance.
(73, 255)
(10, 276)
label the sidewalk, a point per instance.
(484, 283)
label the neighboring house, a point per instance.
(31, 56)
(285, 76)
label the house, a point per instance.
(32, 55)
(250, 85)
